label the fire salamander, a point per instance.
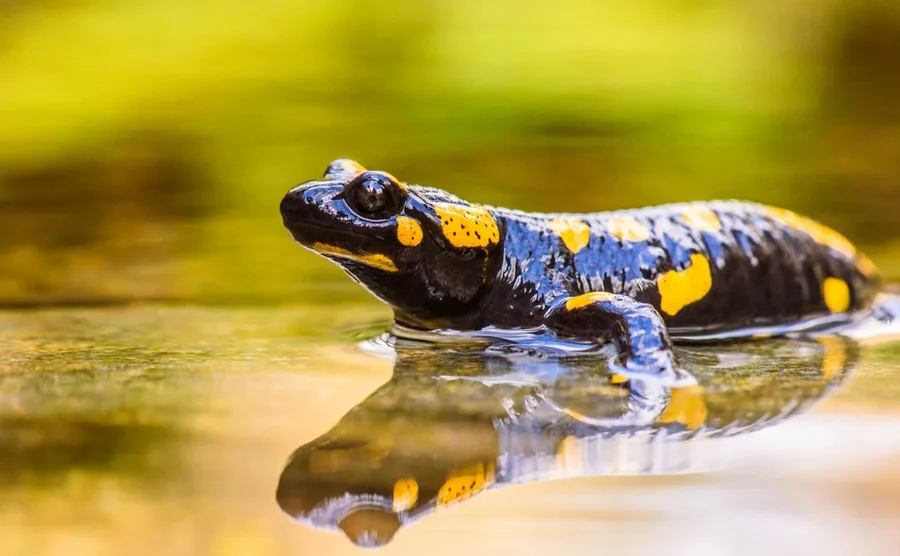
(718, 269)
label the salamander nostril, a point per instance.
(291, 203)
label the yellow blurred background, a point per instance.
(144, 146)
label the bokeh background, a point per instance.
(144, 146)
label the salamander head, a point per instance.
(424, 252)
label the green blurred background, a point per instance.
(144, 146)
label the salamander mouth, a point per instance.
(307, 233)
(346, 249)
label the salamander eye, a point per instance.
(374, 195)
(371, 196)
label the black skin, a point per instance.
(767, 267)
(418, 427)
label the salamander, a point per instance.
(636, 278)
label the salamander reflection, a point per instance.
(451, 424)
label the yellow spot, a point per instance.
(581, 301)
(406, 492)
(627, 228)
(409, 232)
(686, 406)
(819, 233)
(618, 379)
(377, 261)
(836, 294)
(465, 483)
(701, 218)
(569, 456)
(574, 233)
(834, 357)
(344, 166)
(678, 289)
(467, 226)
(865, 265)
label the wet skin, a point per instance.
(451, 424)
(635, 278)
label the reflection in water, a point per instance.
(452, 423)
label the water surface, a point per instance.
(189, 430)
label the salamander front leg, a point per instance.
(636, 329)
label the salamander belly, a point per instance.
(726, 266)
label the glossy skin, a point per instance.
(725, 268)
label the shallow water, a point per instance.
(159, 429)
